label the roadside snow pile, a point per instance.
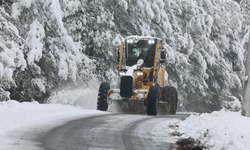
(85, 98)
(19, 118)
(216, 131)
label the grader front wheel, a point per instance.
(153, 100)
(102, 97)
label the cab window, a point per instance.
(140, 50)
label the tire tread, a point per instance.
(153, 100)
(102, 97)
(169, 94)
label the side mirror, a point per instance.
(163, 56)
(118, 57)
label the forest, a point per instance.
(51, 45)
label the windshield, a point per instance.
(140, 50)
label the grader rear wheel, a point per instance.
(169, 95)
(102, 97)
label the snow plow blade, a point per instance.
(129, 106)
(136, 106)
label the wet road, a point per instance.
(108, 132)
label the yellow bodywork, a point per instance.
(136, 76)
(121, 53)
(156, 70)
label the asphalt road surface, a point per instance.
(108, 132)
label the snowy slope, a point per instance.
(216, 131)
(18, 119)
(220, 130)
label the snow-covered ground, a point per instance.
(220, 130)
(19, 119)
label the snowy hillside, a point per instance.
(48, 45)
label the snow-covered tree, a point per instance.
(71, 42)
(245, 6)
(57, 36)
(11, 53)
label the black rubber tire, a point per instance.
(102, 97)
(169, 94)
(153, 100)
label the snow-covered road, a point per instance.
(28, 125)
(113, 131)
(24, 125)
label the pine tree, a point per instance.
(11, 53)
(245, 5)
(72, 42)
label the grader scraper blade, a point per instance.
(136, 106)
(129, 106)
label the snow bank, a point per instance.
(19, 118)
(85, 98)
(218, 130)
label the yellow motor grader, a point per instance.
(141, 86)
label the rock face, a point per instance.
(56, 43)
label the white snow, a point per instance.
(16, 9)
(85, 98)
(33, 41)
(220, 130)
(40, 84)
(20, 119)
(123, 4)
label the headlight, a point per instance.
(130, 41)
(151, 41)
(139, 73)
(122, 73)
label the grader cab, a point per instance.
(141, 86)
